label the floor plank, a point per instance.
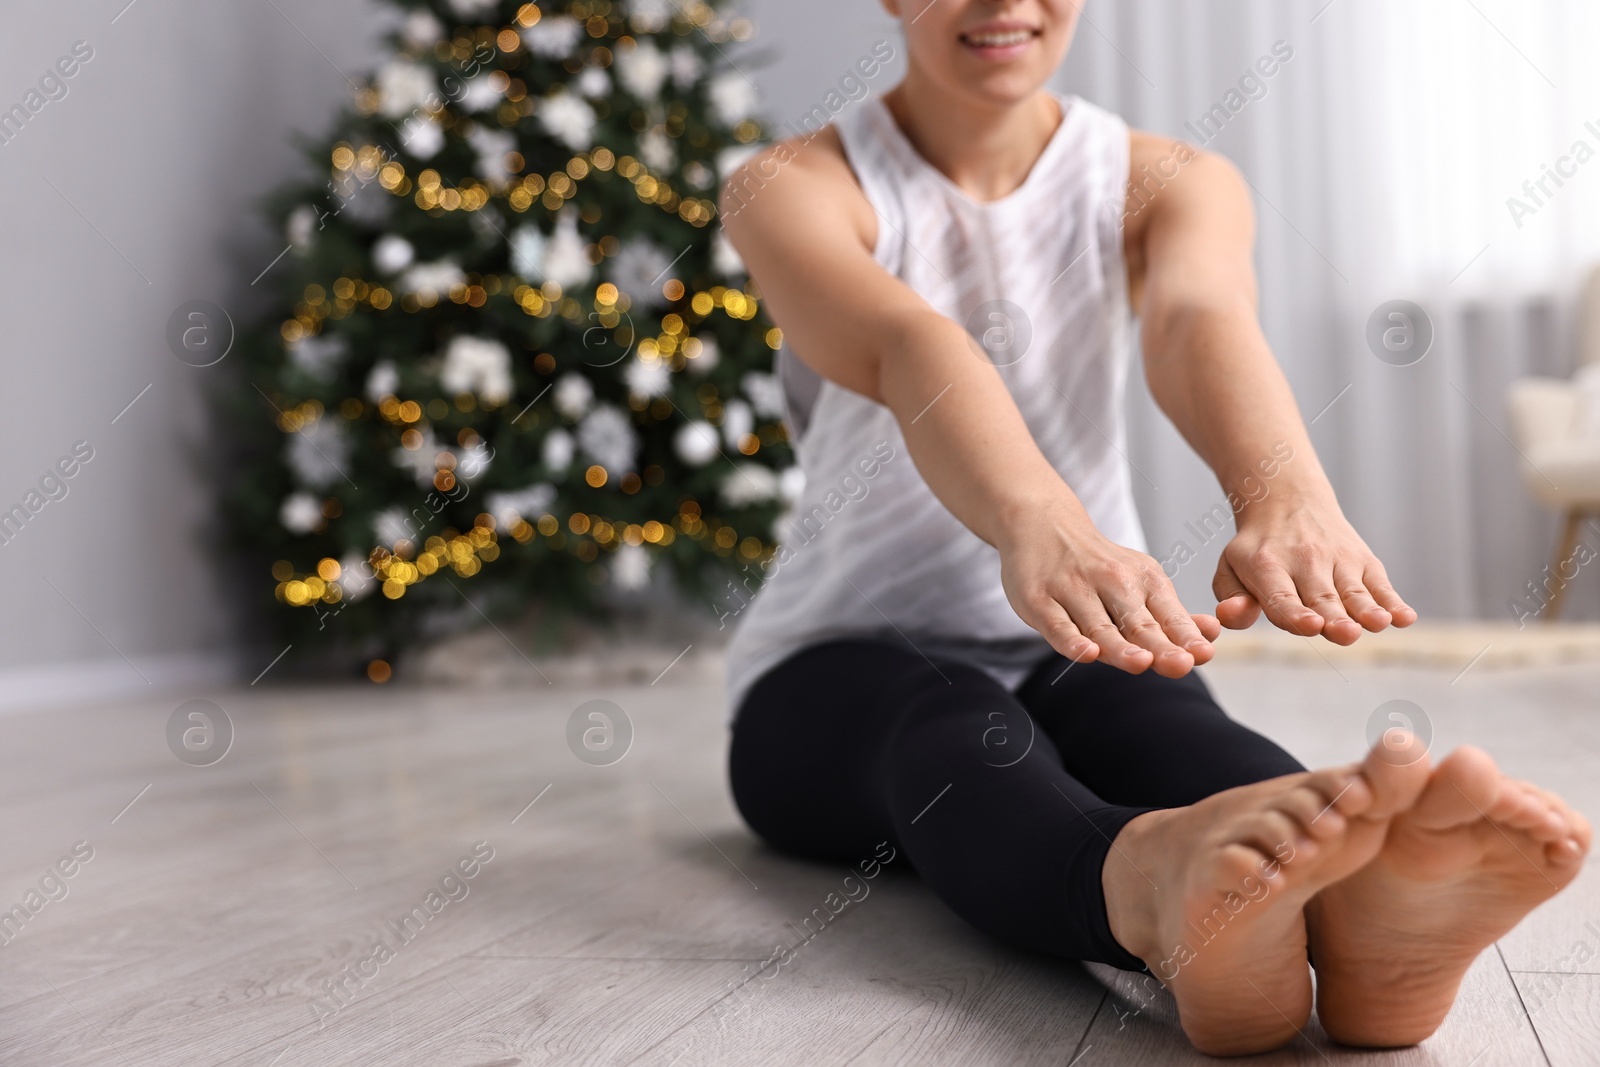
(1566, 1014)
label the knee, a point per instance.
(959, 708)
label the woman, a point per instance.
(965, 650)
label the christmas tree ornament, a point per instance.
(301, 513)
(477, 365)
(606, 436)
(696, 443)
(392, 253)
(568, 117)
(573, 394)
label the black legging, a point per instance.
(1004, 803)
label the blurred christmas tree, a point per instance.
(515, 359)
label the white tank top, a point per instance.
(869, 549)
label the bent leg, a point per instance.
(1146, 740)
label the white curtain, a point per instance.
(1383, 154)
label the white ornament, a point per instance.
(698, 174)
(356, 576)
(392, 253)
(696, 443)
(422, 137)
(606, 436)
(435, 278)
(749, 483)
(302, 226)
(383, 380)
(317, 454)
(657, 151)
(649, 16)
(391, 526)
(725, 258)
(422, 30)
(710, 355)
(737, 420)
(472, 462)
(558, 449)
(593, 83)
(492, 147)
(319, 356)
(509, 508)
(566, 257)
(405, 87)
(477, 365)
(686, 67)
(765, 393)
(527, 252)
(479, 94)
(419, 461)
(300, 513)
(638, 270)
(733, 98)
(642, 69)
(647, 379)
(553, 37)
(568, 118)
(630, 567)
(572, 396)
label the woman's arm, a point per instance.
(806, 232)
(1210, 370)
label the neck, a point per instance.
(985, 149)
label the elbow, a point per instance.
(1171, 327)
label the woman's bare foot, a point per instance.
(1475, 854)
(1211, 896)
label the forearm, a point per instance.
(1211, 372)
(965, 433)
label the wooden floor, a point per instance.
(623, 915)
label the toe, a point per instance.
(1396, 773)
(1273, 833)
(1520, 806)
(1316, 813)
(1567, 852)
(1464, 786)
(1344, 788)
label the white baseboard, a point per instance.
(57, 685)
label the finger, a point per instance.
(1378, 584)
(1236, 608)
(1357, 601)
(1178, 625)
(1208, 626)
(1314, 583)
(1057, 627)
(1140, 627)
(1275, 591)
(1089, 615)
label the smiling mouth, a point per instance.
(999, 38)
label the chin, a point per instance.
(1003, 88)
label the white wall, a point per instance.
(164, 142)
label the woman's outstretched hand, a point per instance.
(1307, 568)
(1093, 599)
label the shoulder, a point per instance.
(797, 182)
(1156, 162)
(1168, 177)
